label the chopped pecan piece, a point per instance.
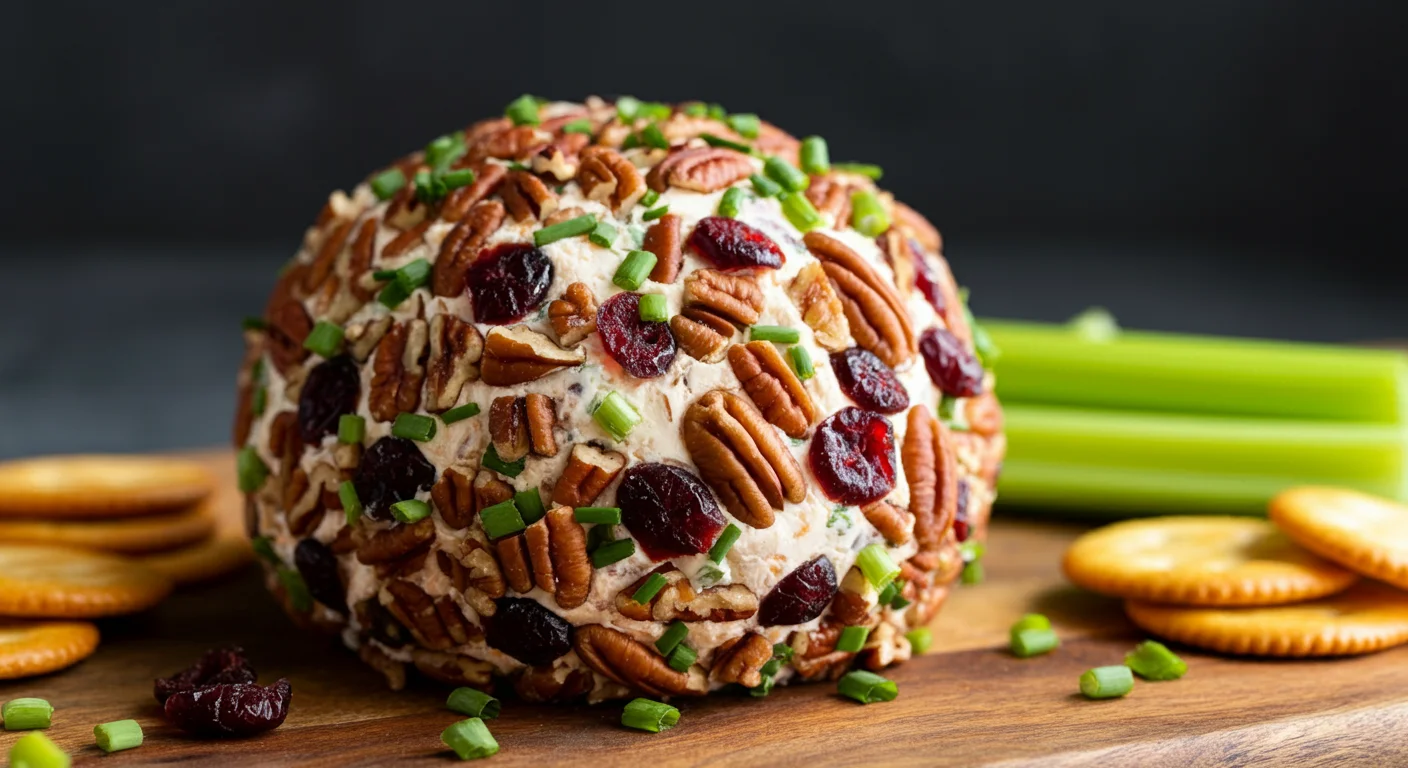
(736, 298)
(453, 495)
(821, 310)
(542, 418)
(393, 543)
(518, 354)
(563, 214)
(588, 472)
(742, 660)
(559, 159)
(406, 242)
(362, 338)
(510, 143)
(607, 177)
(892, 522)
(453, 668)
(916, 226)
(460, 247)
(487, 178)
(831, 193)
(527, 197)
(929, 464)
(772, 385)
(455, 350)
(309, 495)
(619, 658)
(878, 319)
(663, 240)
(490, 490)
(475, 574)
(557, 561)
(508, 427)
(741, 457)
(398, 370)
(702, 169)
(815, 656)
(573, 316)
(703, 335)
(884, 646)
(391, 669)
(678, 600)
(855, 599)
(405, 211)
(549, 685)
(436, 624)
(288, 322)
(984, 414)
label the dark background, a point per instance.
(1231, 167)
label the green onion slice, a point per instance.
(815, 158)
(778, 333)
(118, 735)
(867, 687)
(651, 716)
(581, 125)
(879, 568)
(470, 739)
(473, 703)
(724, 543)
(653, 308)
(745, 124)
(852, 639)
(27, 714)
(868, 216)
(655, 213)
(800, 212)
(1027, 643)
(973, 573)
(251, 469)
(565, 229)
(649, 198)
(719, 141)
(860, 169)
(649, 589)
(764, 186)
(298, 595)
(919, 640)
(530, 505)
(1107, 682)
(682, 658)
(410, 510)
(634, 270)
(351, 429)
(325, 339)
(501, 520)
(523, 110)
(388, 183)
(653, 137)
(673, 636)
(802, 362)
(492, 461)
(414, 426)
(604, 235)
(264, 548)
(598, 515)
(786, 174)
(1153, 660)
(351, 504)
(460, 413)
(35, 750)
(730, 203)
(616, 415)
(612, 552)
(1031, 621)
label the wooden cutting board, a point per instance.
(966, 703)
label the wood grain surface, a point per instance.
(966, 703)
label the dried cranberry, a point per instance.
(392, 470)
(230, 709)
(331, 389)
(867, 380)
(508, 282)
(953, 368)
(318, 565)
(961, 527)
(645, 349)
(928, 283)
(668, 510)
(217, 666)
(527, 631)
(801, 595)
(731, 244)
(853, 456)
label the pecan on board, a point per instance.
(741, 457)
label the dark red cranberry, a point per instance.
(507, 282)
(331, 389)
(962, 529)
(853, 456)
(645, 349)
(527, 631)
(867, 380)
(217, 666)
(801, 595)
(953, 368)
(392, 470)
(668, 510)
(731, 244)
(318, 565)
(230, 709)
(927, 281)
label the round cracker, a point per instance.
(63, 582)
(209, 559)
(1207, 561)
(128, 535)
(1368, 617)
(30, 648)
(1364, 533)
(77, 487)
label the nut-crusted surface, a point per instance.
(741, 457)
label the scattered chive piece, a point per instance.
(800, 211)
(852, 639)
(296, 588)
(879, 568)
(653, 309)
(973, 573)
(709, 575)
(1153, 660)
(118, 735)
(460, 413)
(655, 213)
(598, 535)
(35, 750)
(717, 112)
(530, 505)
(351, 429)
(254, 324)
(617, 416)
(1107, 682)
(867, 687)
(632, 141)
(384, 274)
(815, 158)
(414, 274)
(868, 217)
(470, 739)
(392, 295)
(457, 178)
(764, 186)
(565, 229)
(265, 549)
(410, 510)
(919, 640)
(888, 593)
(492, 461)
(444, 150)
(696, 109)
(778, 333)
(581, 125)
(612, 552)
(724, 543)
(501, 520)
(651, 716)
(325, 339)
(673, 636)
(627, 107)
(388, 183)
(517, 166)
(730, 202)
(654, 138)
(682, 658)
(259, 401)
(351, 504)
(802, 362)
(603, 235)
(1031, 621)
(473, 703)
(649, 198)
(868, 170)
(719, 141)
(898, 602)
(597, 515)
(649, 589)
(746, 125)
(523, 110)
(634, 269)
(27, 714)
(251, 469)
(786, 174)
(414, 426)
(1027, 643)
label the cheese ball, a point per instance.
(612, 399)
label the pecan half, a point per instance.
(815, 654)
(461, 245)
(678, 600)
(883, 647)
(831, 193)
(916, 226)
(455, 350)
(487, 178)
(508, 427)
(772, 385)
(475, 574)
(518, 354)
(878, 319)
(742, 661)
(542, 418)
(821, 310)
(320, 269)
(436, 624)
(514, 142)
(736, 298)
(490, 490)
(892, 522)
(515, 562)
(453, 495)
(855, 599)
(573, 316)
(663, 240)
(607, 177)
(741, 457)
(309, 495)
(984, 414)
(617, 657)
(527, 197)
(406, 242)
(359, 260)
(703, 335)
(398, 371)
(288, 322)
(588, 472)
(362, 338)
(544, 685)
(702, 169)
(393, 543)
(454, 669)
(929, 464)
(557, 561)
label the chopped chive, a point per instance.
(1153, 660)
(603, 235)
(651, 716)
(802, 362)
(1031, 621)
(973, 573)
(460, 413)
(655, 213)
(597, 515)
(786, 174)
(296, 589)
(971, 550)
(565, 229)
(388, 183)
(264, 548)
(868, 217)
(35, 750)
(744, 124)
(251, 469)
(580, 125)
(653, 308)
(430, 187)
(634, 269)
(727, 538)
(254, 324)
(800, 211)
(879, 568)
(919, 640)
(782, 651)
(325, 339)
(616, 415)
(612, 552)
(517, 166)
(501, 520)
(708, 575)
(860, 169)
(351, 429)
(1107, 682)
(778, 333)
(896, 599)
(672, 636)
(815, 158)
(852, 639)
(458, 178)
(410, 510)
(730, 202)
(470, 739)
(351, 504)
(414, 426)
(259, 401)
(118, 735)
(27, 714)
(888, 593)
(414, 274)
(523, 110)
(682, 658)
(492, 461)
(599, 535)
(764, 186)
(1027, 643)
(473, 703)
(717, 112)
(721, 142)
(695, 109)
(653, 137)
(649, 198)
(649, 589)
(627, 107)
(530, 505)
(654, 110)
(631, 142)
(444, 150)
(867, 687)
(392, 295)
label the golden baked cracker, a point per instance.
(1210, 561)
(70, 487)
(1364, 533)
(216, 556)
(1368, 617)
(30, 648)
(63, 582)
(128, 535)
